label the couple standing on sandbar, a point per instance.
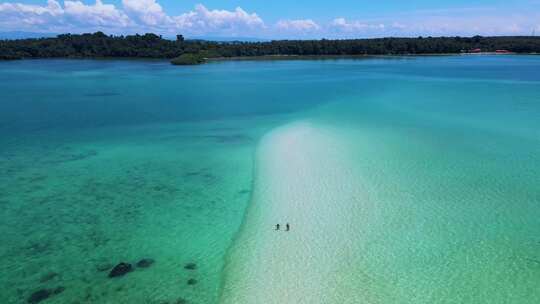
(287, 227)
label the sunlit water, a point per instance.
(434, 172)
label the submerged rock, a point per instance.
(39, 296)
(191, 282)
(181, 301)
(145, 263)
(44, 294)
(120, 270)
(190, 266)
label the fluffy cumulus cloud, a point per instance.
(146, 12)
(149, 16)
(133, 16)
(301, 25)
(355, 26)
(464, 22)
(203, 20)
(98, 14)
(17, 15)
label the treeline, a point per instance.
(93, 45)
(98, 45)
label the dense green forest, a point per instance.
(99, 45)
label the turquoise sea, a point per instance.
(404, 179)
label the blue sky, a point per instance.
(275, 18)
(326, 9)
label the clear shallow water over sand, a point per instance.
(303, 178)
(422, 174)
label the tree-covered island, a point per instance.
(183, 52)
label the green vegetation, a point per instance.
(188, 59)
(99, 45)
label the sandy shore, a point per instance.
(303, 178)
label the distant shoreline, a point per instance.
(188, 52)
(278, 57)
(315, 57)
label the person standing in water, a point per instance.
(287, 227)
(277, 226)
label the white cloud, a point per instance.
(17, 15)
(146, 12)
(301, 25)
(398, 25)
(341, 24)
(469, 25)
(74, 14)
(98, 14)
(135, 15)
(149, 16)
(466, 22)
(20, 9)
(203, 20)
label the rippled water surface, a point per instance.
(104, 162)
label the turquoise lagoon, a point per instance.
(405, 180)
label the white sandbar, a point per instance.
(303, 177)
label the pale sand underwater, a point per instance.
(303, 177)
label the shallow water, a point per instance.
(303, 178)
(109, 161)
(75, 205)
